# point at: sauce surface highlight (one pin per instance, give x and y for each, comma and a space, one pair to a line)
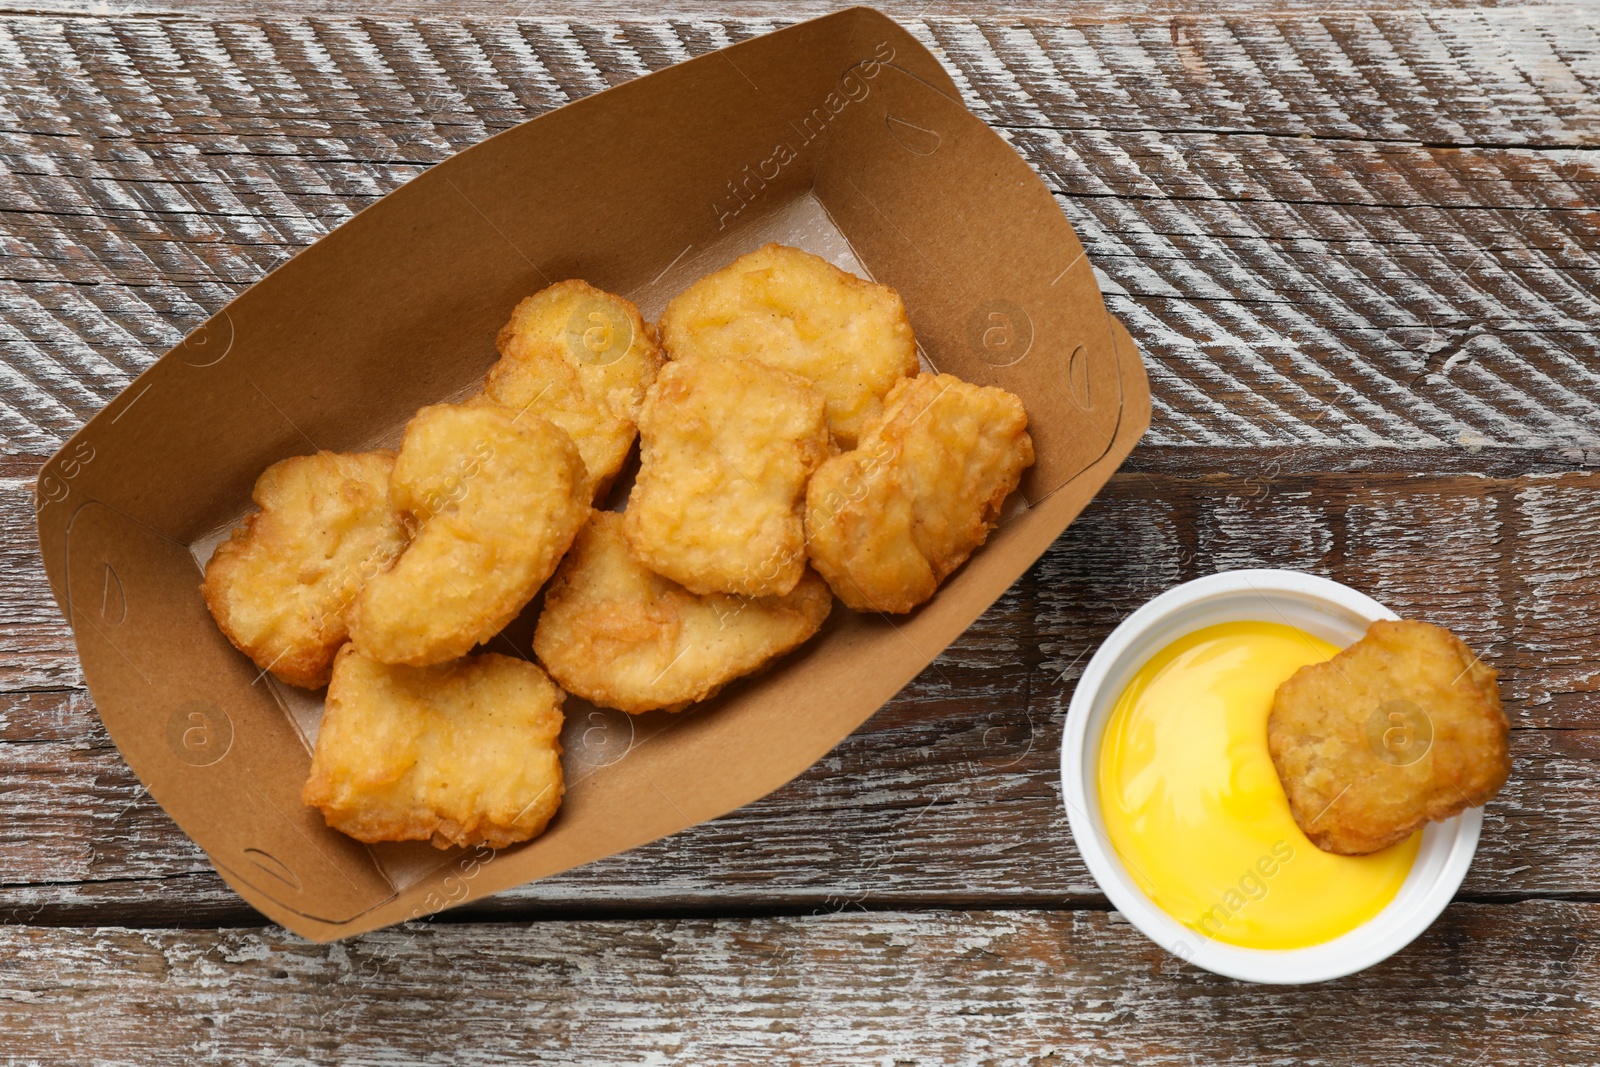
1195, 809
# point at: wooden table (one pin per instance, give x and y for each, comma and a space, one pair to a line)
1359, 250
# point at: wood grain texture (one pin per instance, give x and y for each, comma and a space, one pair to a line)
950, 793
1331, 228
36, 650
1504, 985
777, 10
1360, 250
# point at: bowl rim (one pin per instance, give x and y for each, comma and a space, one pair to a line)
1442, 859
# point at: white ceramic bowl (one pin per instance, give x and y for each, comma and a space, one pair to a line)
1331, 611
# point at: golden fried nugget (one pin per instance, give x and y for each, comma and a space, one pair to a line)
280, 586
497, 497
726, 448
463, 753
792, 310
889, 521
622, 637
1403, 727
582, 358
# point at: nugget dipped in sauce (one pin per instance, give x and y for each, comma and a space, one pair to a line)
1403, 728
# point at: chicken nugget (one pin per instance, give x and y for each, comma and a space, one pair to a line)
798, 312
623, 637
1403, 727
581, 358
496, 498
886, 523
726, 448
279, 587
463, 753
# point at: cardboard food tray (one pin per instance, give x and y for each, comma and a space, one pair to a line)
842, 135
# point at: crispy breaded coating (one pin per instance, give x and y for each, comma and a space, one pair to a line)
726, 446
623, 637
889, 521
1403, 727
581, 358
496, 497
280, 587
798, 312
463, 753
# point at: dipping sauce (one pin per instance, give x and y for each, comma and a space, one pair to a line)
1195, 809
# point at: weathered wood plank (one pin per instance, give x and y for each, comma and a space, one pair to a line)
779, 11
1252, 335
897, 817
1561, 532
36, 650
1508, 985
1293, 211
1439, 77
909, 810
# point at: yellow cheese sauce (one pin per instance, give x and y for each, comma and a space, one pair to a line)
1195, 809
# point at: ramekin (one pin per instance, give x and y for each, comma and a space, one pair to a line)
1331, 611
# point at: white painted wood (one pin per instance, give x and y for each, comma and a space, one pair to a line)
1508, 985
1264, 197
